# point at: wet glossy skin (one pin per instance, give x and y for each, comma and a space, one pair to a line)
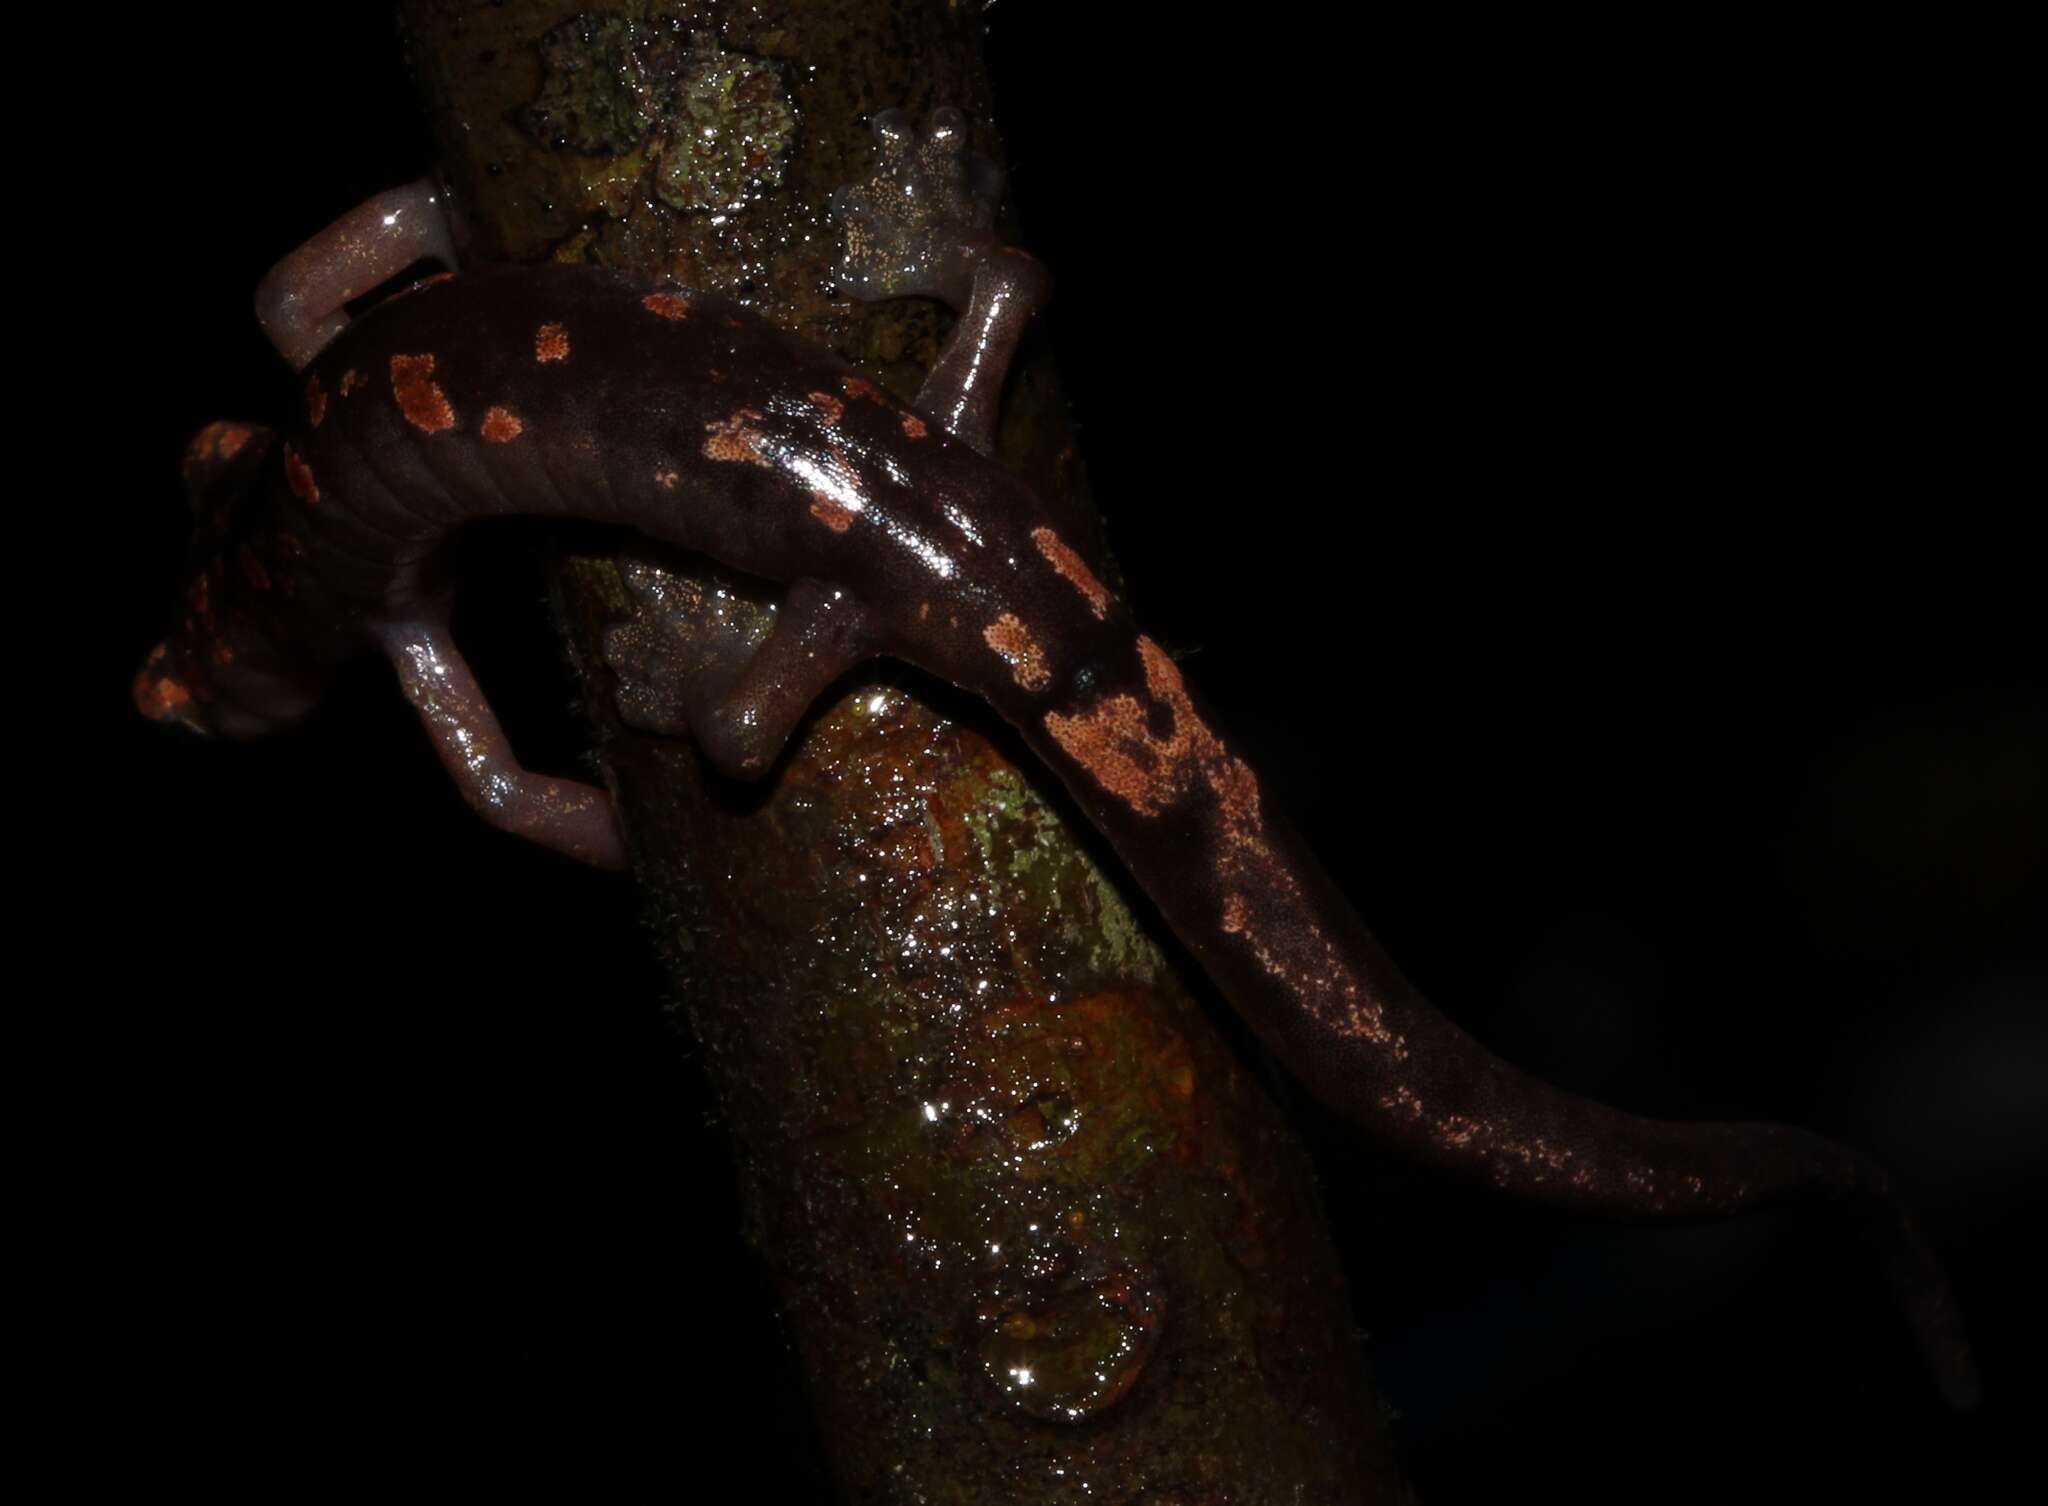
567, 392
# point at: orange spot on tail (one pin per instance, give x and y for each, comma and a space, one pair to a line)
316, 401
1073, 569
551, 343
667, 305
1013, 642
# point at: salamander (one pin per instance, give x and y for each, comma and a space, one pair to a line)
574, 392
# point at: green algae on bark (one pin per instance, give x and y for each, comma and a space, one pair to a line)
1036, 1235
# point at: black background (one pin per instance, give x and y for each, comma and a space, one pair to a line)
1597, 463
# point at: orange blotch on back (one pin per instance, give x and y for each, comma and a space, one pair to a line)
551, 343
736, 438
316, 401
1072, 569
1016, 646
299, 477
350, 380
501, 425
914, 427
828, 405
667, 305
832, 512
420, 398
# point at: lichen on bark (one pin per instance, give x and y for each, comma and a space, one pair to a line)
1036, 1233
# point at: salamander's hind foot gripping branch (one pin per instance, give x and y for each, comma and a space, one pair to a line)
919, 226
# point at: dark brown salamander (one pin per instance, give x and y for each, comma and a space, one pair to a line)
570, 392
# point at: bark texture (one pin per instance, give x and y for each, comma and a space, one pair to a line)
1037, 1235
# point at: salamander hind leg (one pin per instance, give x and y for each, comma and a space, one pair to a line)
692, 631
573, 818
689, 666
921, 225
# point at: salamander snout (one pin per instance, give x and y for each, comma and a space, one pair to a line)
162, 695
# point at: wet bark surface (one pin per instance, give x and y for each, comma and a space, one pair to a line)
1035, 1233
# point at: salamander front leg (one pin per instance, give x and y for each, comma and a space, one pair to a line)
302, 302
920, 226
572, 818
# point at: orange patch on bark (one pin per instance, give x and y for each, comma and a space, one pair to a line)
1013, 642
299, 477
501, 425
551, 343
1073, 569
420, 398
316, 401
667, 305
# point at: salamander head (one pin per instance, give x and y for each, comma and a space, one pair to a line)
163, 695
220, 694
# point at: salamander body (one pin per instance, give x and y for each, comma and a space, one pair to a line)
570, 392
